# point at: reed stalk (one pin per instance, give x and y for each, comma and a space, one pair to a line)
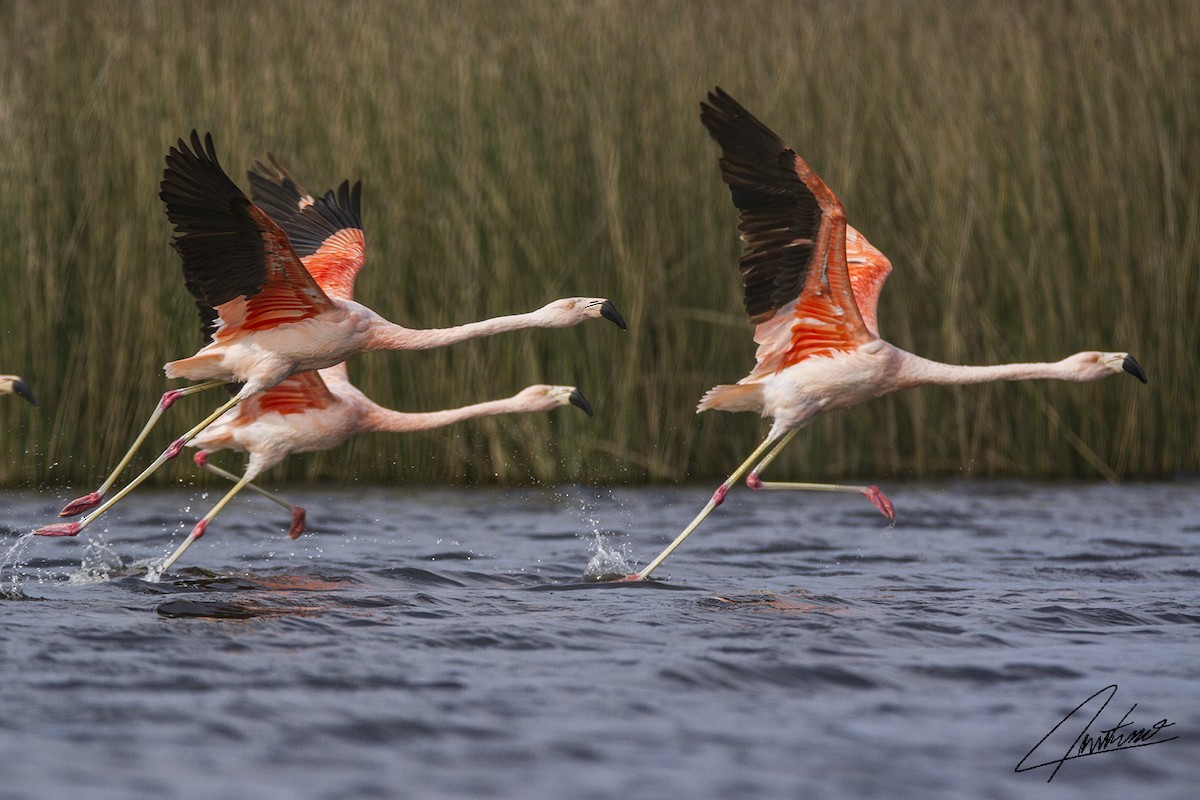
1030, 168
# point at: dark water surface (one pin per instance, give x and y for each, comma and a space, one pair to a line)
428, 644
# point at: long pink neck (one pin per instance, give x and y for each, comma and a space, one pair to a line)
390, 336
917, 371
384, 419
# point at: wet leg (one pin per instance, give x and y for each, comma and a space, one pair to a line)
716, 500
89, 501
73, 528
198, 530
298, 513
872, 493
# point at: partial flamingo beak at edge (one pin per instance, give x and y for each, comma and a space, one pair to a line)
1131, 366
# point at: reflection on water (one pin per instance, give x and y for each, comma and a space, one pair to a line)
443, 643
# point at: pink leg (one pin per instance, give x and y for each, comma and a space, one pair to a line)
168, 399
169, 453
198, 529
90, 501
297, 528
717, 498
174, 449
872, 493
196, 533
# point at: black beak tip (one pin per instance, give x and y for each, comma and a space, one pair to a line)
609, 312
577, 399
1131, 366
21, 388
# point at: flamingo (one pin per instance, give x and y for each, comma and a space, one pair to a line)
811, 289
263, 314
318, 410
12, 384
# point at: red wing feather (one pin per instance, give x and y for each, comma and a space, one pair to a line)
289, 294
336, 263
302, 392
328, 237
869, 268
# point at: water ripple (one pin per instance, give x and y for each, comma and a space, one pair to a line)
799, 649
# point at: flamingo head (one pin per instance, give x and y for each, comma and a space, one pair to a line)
541, 397
573, 310
1092, 366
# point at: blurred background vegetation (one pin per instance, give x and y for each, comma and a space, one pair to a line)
1031, 169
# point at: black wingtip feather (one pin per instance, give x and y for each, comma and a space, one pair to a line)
336, 210
219, 242
778, 212
274, 190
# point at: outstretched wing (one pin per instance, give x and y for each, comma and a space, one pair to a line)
236, 260
326, 232
797, 286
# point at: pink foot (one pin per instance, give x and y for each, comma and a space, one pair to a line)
882, 503
81, 504
297, 523
60, 529
173, 449
631, 577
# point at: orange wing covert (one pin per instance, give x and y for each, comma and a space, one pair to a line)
326, 232
297, 394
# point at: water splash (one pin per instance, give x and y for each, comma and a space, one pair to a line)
10, 563
154, 570
98, 564
607, 563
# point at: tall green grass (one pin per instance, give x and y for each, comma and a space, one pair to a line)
1030, 168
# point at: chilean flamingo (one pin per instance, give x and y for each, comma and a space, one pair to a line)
11, 384
812, 286
314, 410
263, 314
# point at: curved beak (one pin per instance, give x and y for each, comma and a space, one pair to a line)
21, 388
577, 399
1131, 366
609, 312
